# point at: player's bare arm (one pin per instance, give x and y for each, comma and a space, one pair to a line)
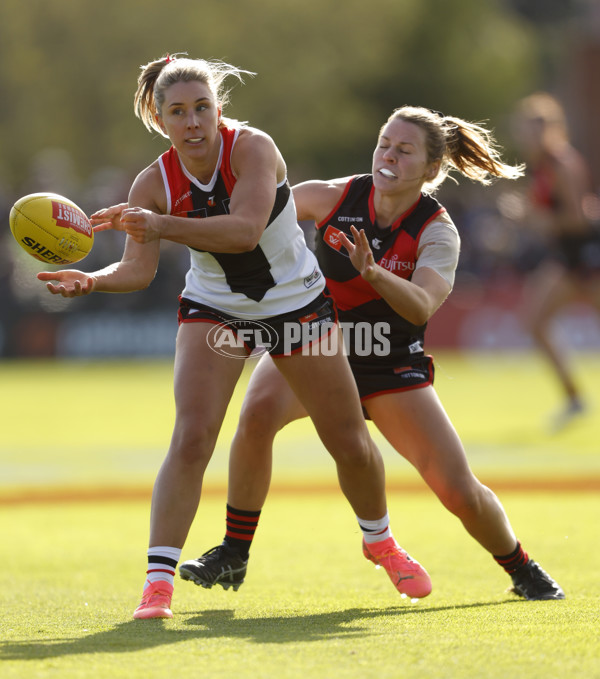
316, 199
415, 300
137, 267
257, 166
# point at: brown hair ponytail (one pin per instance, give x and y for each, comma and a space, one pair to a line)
471, 149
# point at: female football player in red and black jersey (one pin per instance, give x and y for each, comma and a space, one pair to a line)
389, 251
221, 189
563, 207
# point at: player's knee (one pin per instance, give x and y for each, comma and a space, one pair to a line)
193, 443
463, 500
253, 436
260, 418
352, 449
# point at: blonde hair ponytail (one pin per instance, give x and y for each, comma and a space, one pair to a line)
156, 76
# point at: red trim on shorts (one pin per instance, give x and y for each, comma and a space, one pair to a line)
197, 320
396, 390
208, 320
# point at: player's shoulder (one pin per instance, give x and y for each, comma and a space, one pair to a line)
254, 148
572, 162
148, 189
315, 199
561, 160
340, 182
329, 187
441, 229
443, 217
252, 136
150, 177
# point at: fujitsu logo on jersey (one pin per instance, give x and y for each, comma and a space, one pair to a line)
393, 264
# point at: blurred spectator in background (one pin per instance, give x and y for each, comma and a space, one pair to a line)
560, 205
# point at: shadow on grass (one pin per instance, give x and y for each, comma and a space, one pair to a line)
217, 624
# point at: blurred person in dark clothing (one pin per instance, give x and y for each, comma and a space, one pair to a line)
561, 206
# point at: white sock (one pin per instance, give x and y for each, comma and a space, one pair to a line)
375, 531
162, 563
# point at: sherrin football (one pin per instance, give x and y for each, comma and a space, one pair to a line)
51, 228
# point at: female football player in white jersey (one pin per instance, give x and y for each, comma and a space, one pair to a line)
221, 189
389, 251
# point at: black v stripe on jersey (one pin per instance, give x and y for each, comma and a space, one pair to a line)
246, 272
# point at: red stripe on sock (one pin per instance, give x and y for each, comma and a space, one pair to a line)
239, 536
250, 520
511, 562
381, 532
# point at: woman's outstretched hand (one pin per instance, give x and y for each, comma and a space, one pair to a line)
360, 252
70, 282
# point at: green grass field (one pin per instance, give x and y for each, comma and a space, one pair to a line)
79, 448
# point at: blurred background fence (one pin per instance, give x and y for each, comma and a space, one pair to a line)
328, 75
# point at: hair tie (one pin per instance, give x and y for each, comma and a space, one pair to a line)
169, 59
